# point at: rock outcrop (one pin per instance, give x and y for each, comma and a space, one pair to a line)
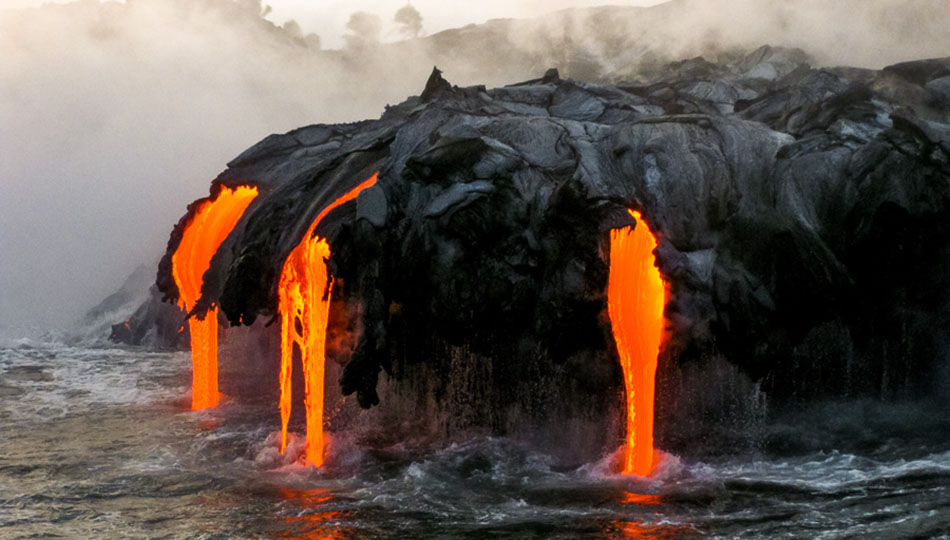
802, 216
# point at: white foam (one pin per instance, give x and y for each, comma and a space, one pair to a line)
58, 379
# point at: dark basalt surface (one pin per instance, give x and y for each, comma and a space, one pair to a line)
802, 216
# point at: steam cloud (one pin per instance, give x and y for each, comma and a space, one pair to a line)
114, 116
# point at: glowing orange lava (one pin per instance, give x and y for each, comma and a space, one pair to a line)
210, 224
304, 303
635, 299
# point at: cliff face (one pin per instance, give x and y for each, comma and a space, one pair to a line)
802, 216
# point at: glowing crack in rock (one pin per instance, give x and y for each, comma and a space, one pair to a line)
304, 293
636, 296
204, 232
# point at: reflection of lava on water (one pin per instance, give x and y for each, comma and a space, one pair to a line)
310, 523
641, 499
639, 528
643, 530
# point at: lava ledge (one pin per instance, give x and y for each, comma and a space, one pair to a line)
802, 216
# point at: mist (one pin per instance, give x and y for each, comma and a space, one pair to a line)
113, 117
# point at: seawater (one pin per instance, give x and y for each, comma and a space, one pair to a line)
98, 442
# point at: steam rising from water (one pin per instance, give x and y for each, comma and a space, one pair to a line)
114, 116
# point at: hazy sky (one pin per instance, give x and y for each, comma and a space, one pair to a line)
327, 18
114, 118
110, 126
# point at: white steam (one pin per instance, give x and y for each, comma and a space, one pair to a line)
113, 117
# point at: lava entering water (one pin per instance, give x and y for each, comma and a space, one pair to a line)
208, 227
304, 290
636, 296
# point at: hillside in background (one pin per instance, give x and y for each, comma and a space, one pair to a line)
114, 116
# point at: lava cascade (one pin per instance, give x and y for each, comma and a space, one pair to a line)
209, 225
636, 296
304, 293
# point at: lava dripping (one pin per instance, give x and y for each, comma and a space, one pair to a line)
636, 296
204, 232
304, 293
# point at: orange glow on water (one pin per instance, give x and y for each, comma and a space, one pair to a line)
640, 499
210, 224
635, 299
641, 530
638, 507
304, 293
310, 524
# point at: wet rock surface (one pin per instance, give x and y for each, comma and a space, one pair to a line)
802, 216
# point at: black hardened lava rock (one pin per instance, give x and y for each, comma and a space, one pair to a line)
802, 216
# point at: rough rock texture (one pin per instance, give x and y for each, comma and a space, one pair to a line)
802, 217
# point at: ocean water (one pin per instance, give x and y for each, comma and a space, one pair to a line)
99, 443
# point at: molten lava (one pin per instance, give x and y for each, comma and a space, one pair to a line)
304, 303
635, 299
210, 224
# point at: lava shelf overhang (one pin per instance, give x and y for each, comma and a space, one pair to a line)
636, 296
808, 211
304, 293
209, 225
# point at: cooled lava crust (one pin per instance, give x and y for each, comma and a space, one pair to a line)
802, 216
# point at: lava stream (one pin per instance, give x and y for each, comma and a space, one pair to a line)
636, 296
304, 302
208, 226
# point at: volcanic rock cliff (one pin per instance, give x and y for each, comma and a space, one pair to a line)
802, 216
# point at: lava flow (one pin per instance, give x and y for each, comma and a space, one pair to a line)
210, 224
636, 296
304, 304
